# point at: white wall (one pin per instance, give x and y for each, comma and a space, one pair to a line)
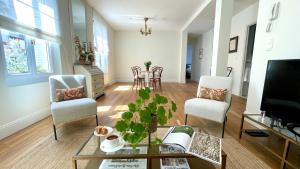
183, 39
202, 66
161, 48
207, 45
222, 27
239, 27
286, 40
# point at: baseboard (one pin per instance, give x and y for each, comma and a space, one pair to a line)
110, 83
23, 122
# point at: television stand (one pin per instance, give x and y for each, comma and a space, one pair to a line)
286, 147
292, 128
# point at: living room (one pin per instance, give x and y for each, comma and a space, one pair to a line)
110, 53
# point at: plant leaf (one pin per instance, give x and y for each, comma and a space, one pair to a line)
144, 93
145, 116
147, 89
121, 126
161, 118
138, 128
161, 99
174, 107
161, 111
132, 107
127, 115
152, 107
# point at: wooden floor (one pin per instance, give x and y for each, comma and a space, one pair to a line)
34, 147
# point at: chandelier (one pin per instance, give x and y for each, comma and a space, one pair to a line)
147, 30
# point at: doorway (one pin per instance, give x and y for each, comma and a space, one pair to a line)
248, 60
189, 58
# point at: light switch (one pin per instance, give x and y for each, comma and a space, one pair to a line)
269, 44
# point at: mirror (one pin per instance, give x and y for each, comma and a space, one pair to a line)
79, 21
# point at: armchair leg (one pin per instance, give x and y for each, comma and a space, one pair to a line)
186, 116
54, 130
223, 129
97, 120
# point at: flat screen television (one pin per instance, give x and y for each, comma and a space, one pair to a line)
281, 95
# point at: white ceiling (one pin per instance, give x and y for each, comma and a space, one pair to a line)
167, 14
239, 5
205, 20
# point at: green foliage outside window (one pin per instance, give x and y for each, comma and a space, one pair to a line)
15, 56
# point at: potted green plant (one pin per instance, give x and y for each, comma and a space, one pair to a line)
148, 64
143, 116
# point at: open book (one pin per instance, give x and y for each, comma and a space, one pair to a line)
198, 144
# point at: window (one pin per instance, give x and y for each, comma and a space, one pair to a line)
40, 14
101, 44
15, 54
29, 36
42, 60
26, 59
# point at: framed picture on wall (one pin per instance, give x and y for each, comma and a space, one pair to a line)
233, 44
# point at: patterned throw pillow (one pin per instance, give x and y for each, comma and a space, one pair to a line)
69, 94
212, 94
204, 92
218, 94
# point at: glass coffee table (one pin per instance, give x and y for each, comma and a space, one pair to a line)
90, 151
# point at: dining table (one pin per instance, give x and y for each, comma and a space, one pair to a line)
147, 74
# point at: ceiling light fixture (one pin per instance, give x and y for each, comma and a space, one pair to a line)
147, 30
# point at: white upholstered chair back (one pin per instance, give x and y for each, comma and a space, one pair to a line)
65, 82
217, 82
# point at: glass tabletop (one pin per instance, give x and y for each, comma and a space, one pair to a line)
275, 125
91, 148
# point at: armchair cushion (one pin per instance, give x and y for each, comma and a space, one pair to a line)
69, 94
207, 109
65, 82
216, 82
213, 94
70, 110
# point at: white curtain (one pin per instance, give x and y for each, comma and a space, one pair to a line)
38, 14
101, 44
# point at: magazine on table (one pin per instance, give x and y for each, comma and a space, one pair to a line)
126, 163
202, 145
173, 163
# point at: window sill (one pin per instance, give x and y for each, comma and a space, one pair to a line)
20, 80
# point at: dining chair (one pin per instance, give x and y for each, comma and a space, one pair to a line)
138, 77
156, 77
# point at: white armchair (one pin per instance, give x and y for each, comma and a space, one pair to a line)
210, 109
66, 111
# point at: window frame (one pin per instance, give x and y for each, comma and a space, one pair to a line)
32, 76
